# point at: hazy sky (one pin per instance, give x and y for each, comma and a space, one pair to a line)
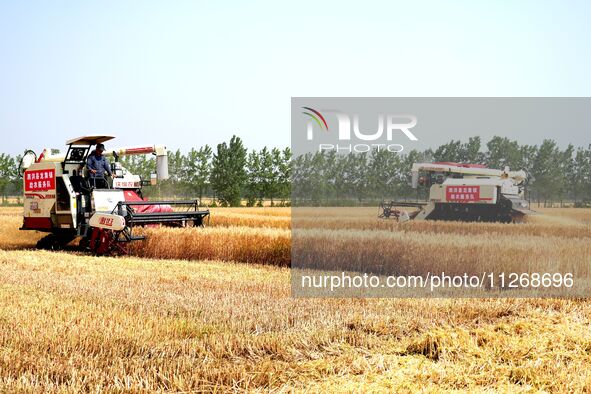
187, 73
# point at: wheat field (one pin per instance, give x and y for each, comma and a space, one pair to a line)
210, 310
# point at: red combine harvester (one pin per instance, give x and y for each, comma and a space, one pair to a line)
464, 192
60, 199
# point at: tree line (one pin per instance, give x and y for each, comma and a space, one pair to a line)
230, 173
328, 178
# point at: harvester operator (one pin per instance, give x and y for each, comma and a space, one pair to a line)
97, 166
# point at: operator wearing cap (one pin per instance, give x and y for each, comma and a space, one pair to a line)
97, 166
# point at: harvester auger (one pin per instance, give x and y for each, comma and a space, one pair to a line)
463, 192
60, 199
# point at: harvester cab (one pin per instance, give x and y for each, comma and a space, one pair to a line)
62, 200
466, 192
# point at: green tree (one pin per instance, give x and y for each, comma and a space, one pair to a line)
175, 166
284, 166
357, 178
253, 192
8, 175
196, 169
452, 151
142, 165
276, 162
383, 174
266, 175
228, 173
503, 152
581, 178
567, 168
547, 172
470, 151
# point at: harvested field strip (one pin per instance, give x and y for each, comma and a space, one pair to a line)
79, 323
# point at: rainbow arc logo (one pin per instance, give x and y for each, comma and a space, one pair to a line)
317, 117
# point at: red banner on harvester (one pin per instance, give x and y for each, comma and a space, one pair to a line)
39, 180
462, 193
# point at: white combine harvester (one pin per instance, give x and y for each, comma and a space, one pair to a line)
465, 192
61, 200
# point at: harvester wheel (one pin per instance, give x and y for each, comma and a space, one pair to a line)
385, 210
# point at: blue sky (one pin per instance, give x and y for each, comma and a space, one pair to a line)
187, 73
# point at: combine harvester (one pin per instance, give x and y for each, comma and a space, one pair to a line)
464, 192
61, 200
